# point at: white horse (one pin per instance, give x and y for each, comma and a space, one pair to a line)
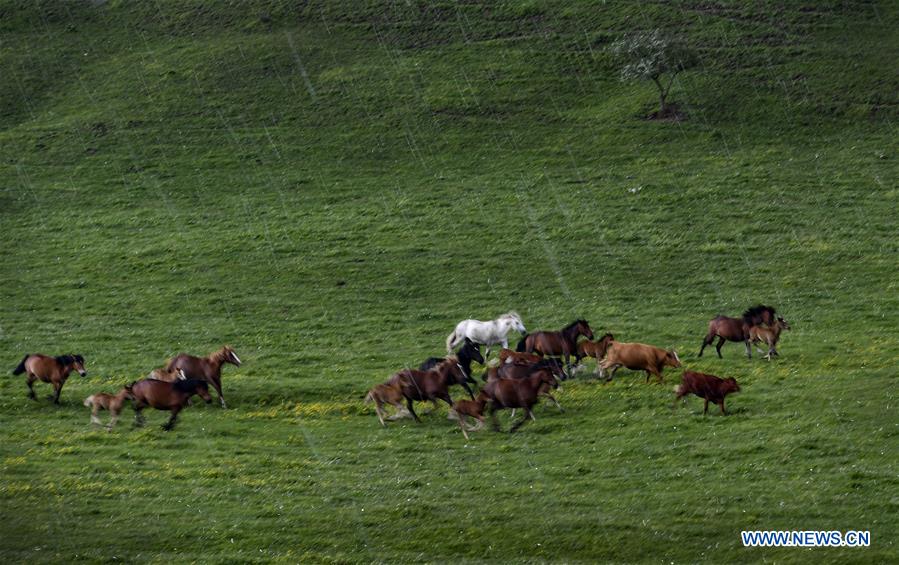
485, 333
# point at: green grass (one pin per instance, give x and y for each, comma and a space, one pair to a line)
331, 188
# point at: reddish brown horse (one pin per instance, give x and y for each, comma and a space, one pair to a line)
517, 393
737, 329
596, 349
53, 370
429, 385
207, 368
105, 401
163, 395
557, 344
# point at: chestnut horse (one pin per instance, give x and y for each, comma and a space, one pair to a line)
430, 385
562, 342
517, 393
53, 370
737, 329
515, 371
105, 401
163, 395
596, 349
207, 368
770, 335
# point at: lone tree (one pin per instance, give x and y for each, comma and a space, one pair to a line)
650, 55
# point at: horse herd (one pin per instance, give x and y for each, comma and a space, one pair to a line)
536, 366
520, 378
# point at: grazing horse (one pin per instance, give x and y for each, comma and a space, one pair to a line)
471, 408
387, 393
430, 385
486, 333
562, 342
106, 401
54, 370
770, 335
737, 329
469, 352
517, 393
596, 349
163, 395
207, 368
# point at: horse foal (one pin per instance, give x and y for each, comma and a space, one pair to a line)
473, 408
387, 393
105, 401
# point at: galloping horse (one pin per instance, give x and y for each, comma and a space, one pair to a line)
106, 401
737, 329
163, 395
54, 370
207, 368
486, 333
770, 335
518, 371
562, 342
469, 352
430, 385
596, 349
517, 393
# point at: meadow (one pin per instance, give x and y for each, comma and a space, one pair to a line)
330, 187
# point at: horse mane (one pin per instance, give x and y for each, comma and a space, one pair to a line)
573, 324
219, 355
757, 310
511, 314
189, 385
66, 359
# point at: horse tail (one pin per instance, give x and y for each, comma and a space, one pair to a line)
449, 342
89, 401
522, 344
21, 368
370, 397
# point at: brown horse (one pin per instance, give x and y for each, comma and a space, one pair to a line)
207, 368
163, 395
429, 385
387, 393
469, 408
737, 329
54, 370
596, 349
770, 335
518, 358
163, 374
106, 401
562, 342
517, 393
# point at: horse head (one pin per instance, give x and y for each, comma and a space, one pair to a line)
229, 356
472, 350
672, 359
76, 362
584, 328
514, 321
783, 323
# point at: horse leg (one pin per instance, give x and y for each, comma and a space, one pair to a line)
723, 411
493, 419
30, 383
707, 340
527, 414
171, 423
468, 390
412, 410
748, 349
114, 417
57, 387
217, 385
462, 425
138, 416
553, 398
718, 347
95, 415
380, 413
705, 409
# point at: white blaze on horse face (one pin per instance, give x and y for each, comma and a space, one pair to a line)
236, 358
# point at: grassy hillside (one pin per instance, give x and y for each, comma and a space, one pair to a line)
330, 187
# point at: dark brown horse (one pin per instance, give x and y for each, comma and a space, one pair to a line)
596, 349
429, 385
737, 329
53, 370
557, 344
517, 393
207, 368
163, 395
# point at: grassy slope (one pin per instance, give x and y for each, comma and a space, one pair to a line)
178, 176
